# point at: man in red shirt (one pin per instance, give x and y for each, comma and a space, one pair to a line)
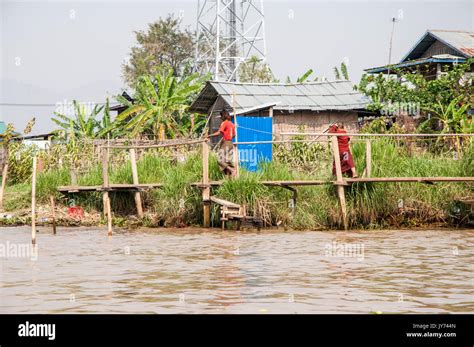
347, 162
225, 157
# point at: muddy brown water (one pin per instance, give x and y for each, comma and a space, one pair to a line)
195, 271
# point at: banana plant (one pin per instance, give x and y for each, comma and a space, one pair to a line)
303, 78
81, 124
453, 117
341, 73
160, 103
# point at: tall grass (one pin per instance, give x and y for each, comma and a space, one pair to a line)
370, 205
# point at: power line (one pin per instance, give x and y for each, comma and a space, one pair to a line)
10, 104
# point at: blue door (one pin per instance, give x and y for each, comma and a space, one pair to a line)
250, 129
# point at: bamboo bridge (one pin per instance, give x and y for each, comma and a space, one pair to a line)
232, 211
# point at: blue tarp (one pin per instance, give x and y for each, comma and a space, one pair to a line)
251, 129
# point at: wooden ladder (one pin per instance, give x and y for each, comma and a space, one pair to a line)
229, 210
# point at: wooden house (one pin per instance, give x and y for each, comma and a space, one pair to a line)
435, 53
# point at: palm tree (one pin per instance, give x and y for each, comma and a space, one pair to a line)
159, 106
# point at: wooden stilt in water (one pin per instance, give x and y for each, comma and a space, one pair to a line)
206, 191
109, 214
53, 213
33, 203
368, 158
104, 204
105, 184
138, 197
4, 183
223, 213
339, 182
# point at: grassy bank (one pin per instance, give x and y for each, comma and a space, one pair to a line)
374, 205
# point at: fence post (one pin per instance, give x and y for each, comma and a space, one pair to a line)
105, 187
4, 183
138, 197
53, 213
33, 203
368, 158
339, 181
206, 189
235, 159
73, 174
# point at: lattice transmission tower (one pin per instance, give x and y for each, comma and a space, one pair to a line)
229, 32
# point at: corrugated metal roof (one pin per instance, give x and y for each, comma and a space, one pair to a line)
441, 58
316, 96
460, 41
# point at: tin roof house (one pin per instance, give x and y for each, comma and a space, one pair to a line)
311, 105
265, 111
434, 54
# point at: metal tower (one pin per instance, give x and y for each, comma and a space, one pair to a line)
228, 33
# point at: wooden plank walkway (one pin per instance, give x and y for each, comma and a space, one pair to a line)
348, 181
110, 187
223, 202
230, 210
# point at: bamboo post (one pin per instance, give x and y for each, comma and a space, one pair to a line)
339, 181
73, 174
33, 203
109, 216
138, 197
368, 158
236, 146
4, 183
105, 186
53, 213
206, 191
223, 217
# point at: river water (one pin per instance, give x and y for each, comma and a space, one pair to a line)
196, 271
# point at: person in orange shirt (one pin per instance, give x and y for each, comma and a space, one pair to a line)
347, 162
225, 157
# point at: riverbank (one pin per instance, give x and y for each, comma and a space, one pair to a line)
179, 204
95, 219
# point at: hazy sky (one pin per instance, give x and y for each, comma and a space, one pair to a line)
56, 51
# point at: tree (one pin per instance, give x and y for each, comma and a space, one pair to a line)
415, 89
160, 105
255, 71
382, 91
162, 47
